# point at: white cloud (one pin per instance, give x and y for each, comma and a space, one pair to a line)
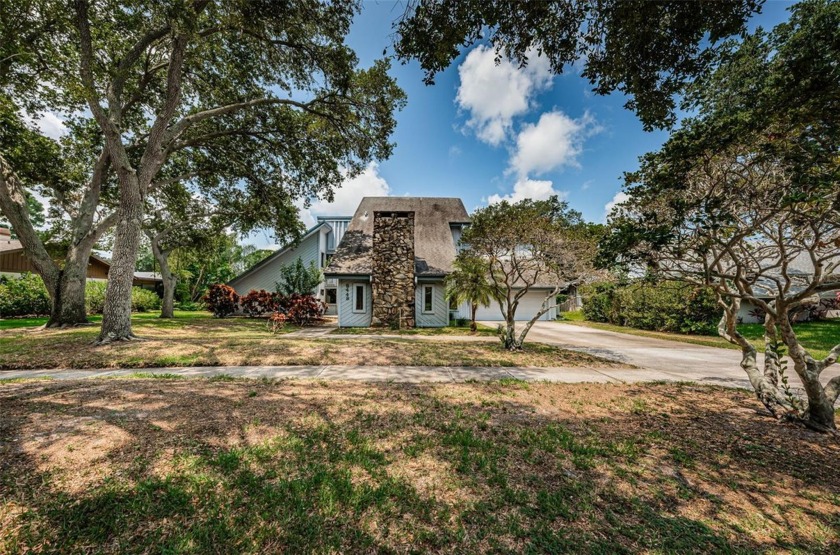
529, 188
495, 93
346, 198
555, 141
616, 200
49, 123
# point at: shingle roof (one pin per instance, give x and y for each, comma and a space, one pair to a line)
434, 247
7, 245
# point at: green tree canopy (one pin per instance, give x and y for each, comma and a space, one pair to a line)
648, 50
252, 105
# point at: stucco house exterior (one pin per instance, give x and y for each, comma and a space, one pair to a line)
391, 263
315, 247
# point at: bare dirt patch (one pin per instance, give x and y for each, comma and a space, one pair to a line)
149, 465
240, 341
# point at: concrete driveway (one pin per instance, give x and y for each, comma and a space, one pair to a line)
656, 358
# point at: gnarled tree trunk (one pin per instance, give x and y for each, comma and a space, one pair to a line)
765, 383
65, 286
161, 255
116, 312
820, 413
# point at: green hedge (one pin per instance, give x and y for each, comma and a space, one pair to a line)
27, 296
23, 296
142, 300
665, 306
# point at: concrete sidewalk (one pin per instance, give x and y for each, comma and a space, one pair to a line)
397, 374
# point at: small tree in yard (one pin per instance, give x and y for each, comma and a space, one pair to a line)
297, 279
469, 283
745, 192
530, 245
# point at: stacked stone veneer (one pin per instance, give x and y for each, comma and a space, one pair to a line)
392, 272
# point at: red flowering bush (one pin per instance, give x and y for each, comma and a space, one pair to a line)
221, 300
257, 303
303, 309
276, 322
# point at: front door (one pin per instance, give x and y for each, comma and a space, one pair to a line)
332, 299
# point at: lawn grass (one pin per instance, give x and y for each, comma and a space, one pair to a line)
818, 337
198, 466
196, 339
34, 322
481, 329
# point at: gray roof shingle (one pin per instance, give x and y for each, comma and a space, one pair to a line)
434, 247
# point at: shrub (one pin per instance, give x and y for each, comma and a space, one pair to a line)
23, 296
95, 296
189, 306
221, 300
257, 303
462, 322
303, 309
297, 279
143, 300
276, 322
600, 303
666, 306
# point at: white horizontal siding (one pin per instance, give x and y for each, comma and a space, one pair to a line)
440, 316
346, 317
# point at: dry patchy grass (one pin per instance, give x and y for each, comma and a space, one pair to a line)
241, 466
204, 341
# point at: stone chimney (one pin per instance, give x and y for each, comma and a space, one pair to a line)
392, 272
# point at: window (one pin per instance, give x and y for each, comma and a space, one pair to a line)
428, 291
331, 296
359, 297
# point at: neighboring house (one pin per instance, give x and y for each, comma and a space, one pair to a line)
391, 264
315, 247
13, 262
800, 270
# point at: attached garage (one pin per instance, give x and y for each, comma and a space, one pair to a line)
529, 305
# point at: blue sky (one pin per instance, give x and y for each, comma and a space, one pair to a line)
484, 132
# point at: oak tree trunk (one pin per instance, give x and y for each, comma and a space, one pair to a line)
116, 312
68, 296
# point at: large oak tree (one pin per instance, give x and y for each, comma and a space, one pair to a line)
249, 101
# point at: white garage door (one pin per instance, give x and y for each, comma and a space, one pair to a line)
529, 305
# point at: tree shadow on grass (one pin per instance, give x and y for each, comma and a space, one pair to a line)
247, 466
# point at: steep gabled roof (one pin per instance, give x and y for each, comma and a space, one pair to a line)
434, 247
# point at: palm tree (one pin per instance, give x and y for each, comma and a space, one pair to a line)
468, 283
